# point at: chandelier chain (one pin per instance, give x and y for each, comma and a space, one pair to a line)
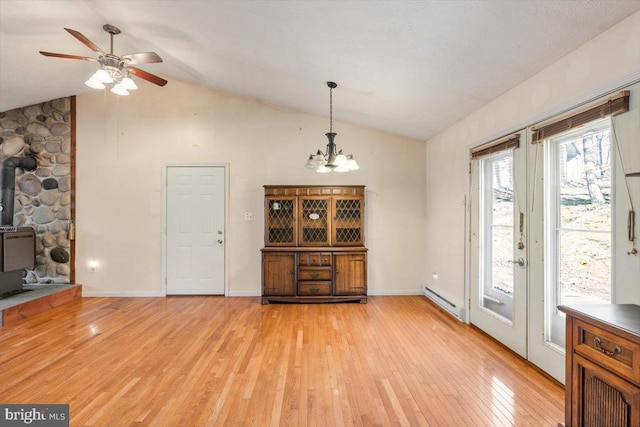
330, 109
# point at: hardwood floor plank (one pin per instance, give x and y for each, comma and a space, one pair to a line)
212, 361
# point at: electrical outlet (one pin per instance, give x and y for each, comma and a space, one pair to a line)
248, 216
93, 266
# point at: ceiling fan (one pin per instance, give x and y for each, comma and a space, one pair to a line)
113, 68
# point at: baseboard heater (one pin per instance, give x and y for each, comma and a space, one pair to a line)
445, 304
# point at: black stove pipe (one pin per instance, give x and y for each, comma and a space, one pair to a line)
8, 184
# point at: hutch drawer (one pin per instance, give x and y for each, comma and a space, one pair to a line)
314, 288
608, 349
314, 258
314, 273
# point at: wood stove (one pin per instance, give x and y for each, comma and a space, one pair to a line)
17, 244
17, 252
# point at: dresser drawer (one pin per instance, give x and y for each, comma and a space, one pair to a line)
314, 259
314, 288
314, 273
608, 349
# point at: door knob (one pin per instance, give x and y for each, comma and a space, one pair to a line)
518, 261
220, 241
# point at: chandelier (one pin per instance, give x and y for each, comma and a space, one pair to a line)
331, 160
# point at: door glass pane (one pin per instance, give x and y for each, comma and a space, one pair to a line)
280, 221
585, 219
497, 242
347, 221
315, 221
580, 214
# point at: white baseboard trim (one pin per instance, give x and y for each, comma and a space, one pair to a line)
152, 294
391, 292
244, 294
122, 294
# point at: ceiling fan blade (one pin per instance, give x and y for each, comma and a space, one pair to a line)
146, 76
91, 45
64, 55
141, 58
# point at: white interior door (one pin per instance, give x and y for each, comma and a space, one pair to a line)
195, 226
499, 248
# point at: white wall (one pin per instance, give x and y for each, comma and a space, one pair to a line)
124, 143
608, 61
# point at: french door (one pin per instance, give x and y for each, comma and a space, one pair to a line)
498, 243
571, 257
541, 236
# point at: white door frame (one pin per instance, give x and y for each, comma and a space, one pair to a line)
165, 171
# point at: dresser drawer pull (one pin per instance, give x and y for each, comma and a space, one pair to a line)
314, 275
314, 290
616, 349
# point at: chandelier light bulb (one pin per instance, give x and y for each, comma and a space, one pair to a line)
341, 159
352, 164
311, 164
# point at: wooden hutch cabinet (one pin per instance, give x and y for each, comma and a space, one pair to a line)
314, 244
603, 365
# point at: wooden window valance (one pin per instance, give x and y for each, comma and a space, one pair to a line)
508, 143
615, 105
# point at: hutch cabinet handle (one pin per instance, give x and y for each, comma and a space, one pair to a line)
314, 290
616, 349
314, 275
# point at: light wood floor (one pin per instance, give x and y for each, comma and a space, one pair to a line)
196, 361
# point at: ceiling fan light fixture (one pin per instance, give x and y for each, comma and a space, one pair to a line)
119, 89
332, 159
128, 83
113, 68
103, 76
94, 83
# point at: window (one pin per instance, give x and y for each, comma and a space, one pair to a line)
579, 216
497, 230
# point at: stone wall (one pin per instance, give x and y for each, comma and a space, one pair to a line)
43, 197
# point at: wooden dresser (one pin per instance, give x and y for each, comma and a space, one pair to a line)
314, 244
602, 365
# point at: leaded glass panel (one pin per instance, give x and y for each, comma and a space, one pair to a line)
281, 221
348, 221
315, 221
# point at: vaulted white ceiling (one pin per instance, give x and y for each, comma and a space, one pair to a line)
408, 67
